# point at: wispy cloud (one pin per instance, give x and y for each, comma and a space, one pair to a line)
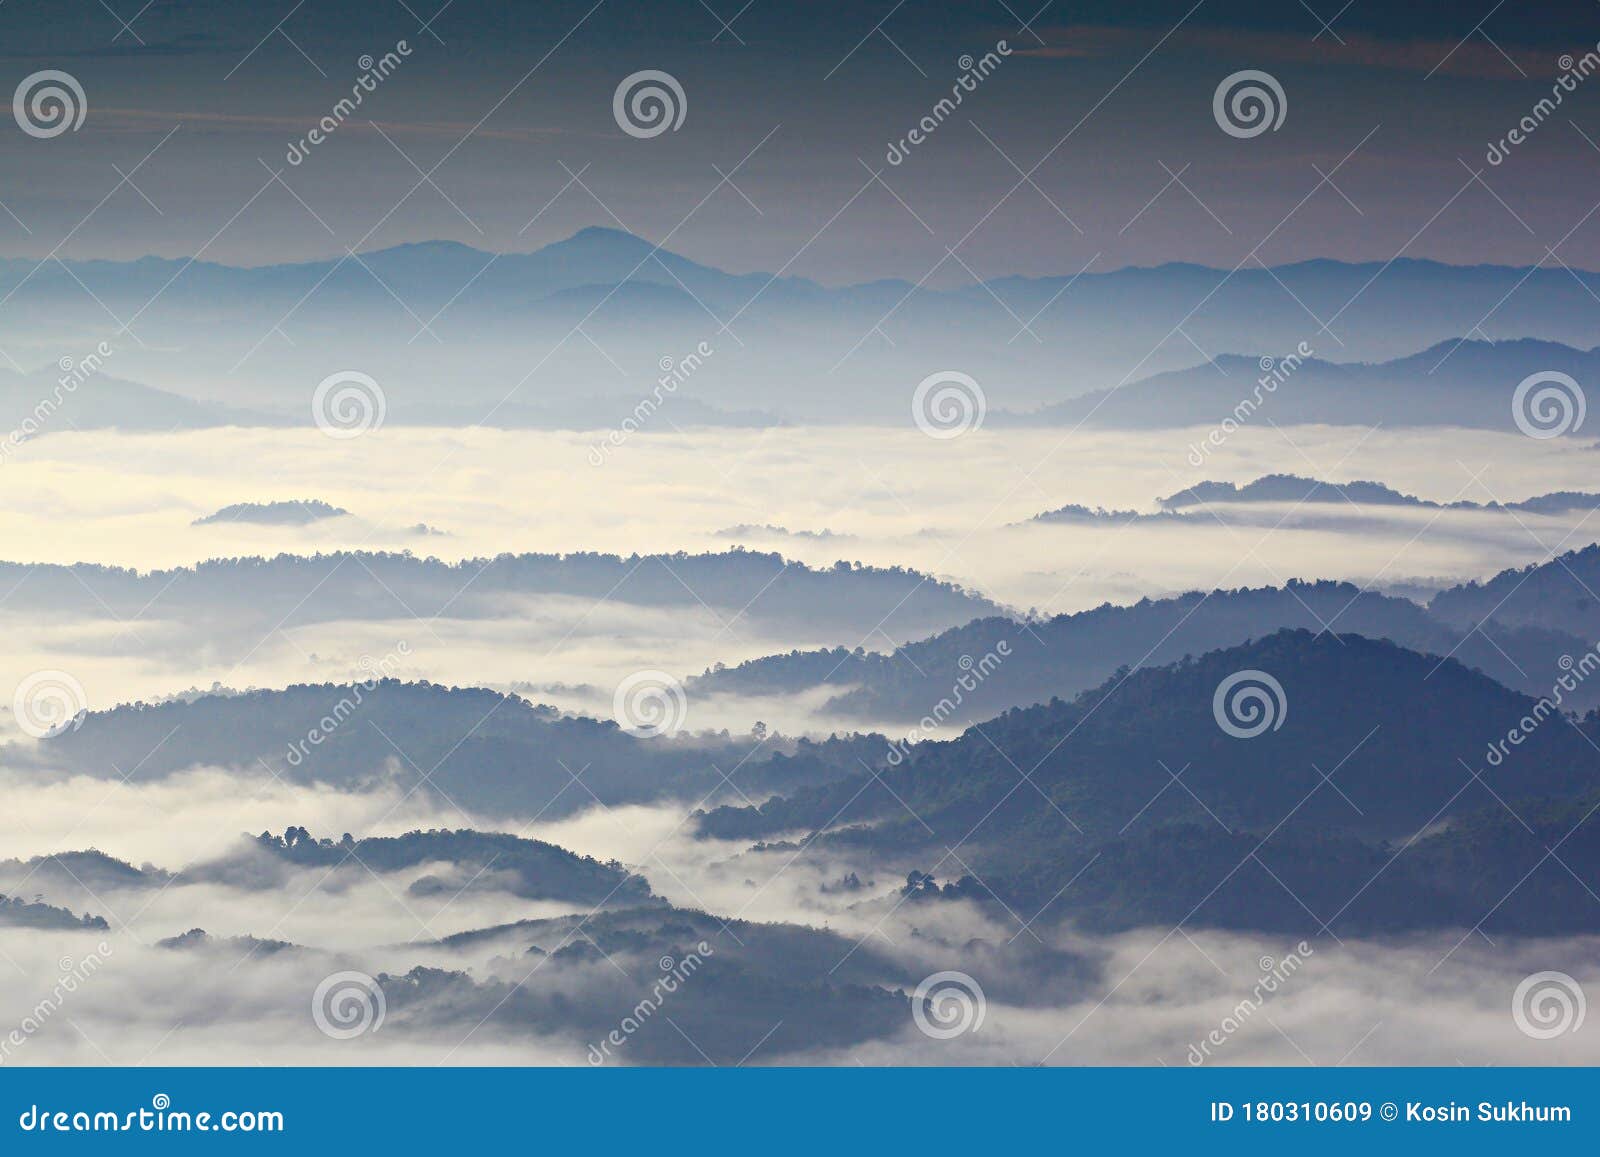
1474, 58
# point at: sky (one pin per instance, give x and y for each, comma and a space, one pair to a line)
1091, 141
936, 143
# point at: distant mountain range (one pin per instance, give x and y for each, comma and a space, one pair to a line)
35, 405
457, 335
1467, 384
1033, 661
844, 600
1454, 383
1294, 490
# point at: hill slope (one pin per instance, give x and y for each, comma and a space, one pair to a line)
1137, 786
1023, 663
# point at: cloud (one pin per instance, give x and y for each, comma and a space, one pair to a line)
1475, 58
134, 119
1051, 994
130, 500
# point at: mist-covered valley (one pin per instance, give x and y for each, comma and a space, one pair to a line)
803, 500
498, 780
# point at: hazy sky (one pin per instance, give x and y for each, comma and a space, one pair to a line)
509, 108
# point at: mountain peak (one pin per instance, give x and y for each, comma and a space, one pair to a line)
602, 238
605, 233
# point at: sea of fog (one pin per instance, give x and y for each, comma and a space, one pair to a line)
958, 509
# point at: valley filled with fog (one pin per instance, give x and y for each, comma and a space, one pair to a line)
965, 512
131, 827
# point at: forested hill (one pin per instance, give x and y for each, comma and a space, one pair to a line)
1062, 656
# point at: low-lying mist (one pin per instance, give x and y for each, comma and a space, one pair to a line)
958, 510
